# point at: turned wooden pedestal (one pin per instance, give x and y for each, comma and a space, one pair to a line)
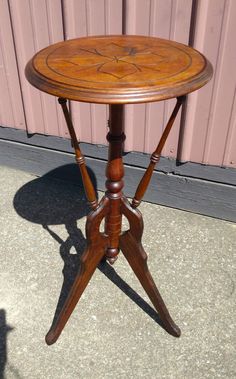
116, 70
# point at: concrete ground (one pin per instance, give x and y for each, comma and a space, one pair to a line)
113, 331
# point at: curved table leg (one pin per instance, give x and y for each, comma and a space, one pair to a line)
131, 246
89, 261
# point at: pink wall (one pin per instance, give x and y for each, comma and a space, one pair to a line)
11, 105
209, 132
210, 127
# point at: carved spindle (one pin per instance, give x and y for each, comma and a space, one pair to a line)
114, 183
155, 157
88, 185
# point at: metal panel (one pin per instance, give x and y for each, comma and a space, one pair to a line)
11, 106
165, 19
209, 135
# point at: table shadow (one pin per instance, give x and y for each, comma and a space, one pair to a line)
4, 330
51, 201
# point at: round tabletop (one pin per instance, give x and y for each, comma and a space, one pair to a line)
118, 69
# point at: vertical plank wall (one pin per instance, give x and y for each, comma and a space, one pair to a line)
36, 24
210, 126
11, 104
208, 133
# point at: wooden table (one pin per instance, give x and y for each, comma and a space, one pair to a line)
116, 70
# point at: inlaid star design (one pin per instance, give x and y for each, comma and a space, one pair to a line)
116, 61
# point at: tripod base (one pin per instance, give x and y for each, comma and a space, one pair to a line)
97, 245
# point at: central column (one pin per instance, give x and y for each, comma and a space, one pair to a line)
114, 183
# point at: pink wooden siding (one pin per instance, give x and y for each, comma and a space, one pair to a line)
36, 24
208, 134
11, 105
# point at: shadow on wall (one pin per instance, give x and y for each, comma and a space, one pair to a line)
48, 202
4, 330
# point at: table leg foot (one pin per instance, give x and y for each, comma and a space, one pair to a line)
51, 337
137, 258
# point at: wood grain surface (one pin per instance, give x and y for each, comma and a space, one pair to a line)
118, 69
